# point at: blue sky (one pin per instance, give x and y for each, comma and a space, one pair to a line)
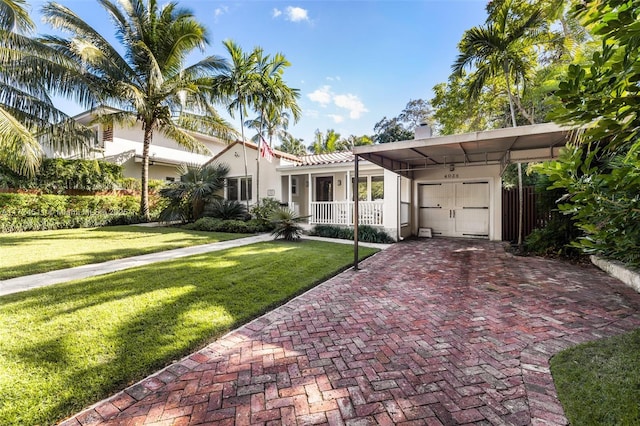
354, 62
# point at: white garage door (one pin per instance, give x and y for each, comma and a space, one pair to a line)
455, 209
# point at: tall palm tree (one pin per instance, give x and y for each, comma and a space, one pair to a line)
149, 81
238, 86
29, 72
326, 144
500, 48
292, 145
273, 99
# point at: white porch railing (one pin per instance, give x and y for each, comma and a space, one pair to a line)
341, 213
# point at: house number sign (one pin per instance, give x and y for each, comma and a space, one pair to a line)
452, 176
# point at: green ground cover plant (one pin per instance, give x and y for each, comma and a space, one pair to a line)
598, 382
67, 346
29, 253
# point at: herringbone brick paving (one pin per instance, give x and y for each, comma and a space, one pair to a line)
432, 332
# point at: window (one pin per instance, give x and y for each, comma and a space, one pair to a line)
237, 190
170, 179
370, 188
294, 185
377, 188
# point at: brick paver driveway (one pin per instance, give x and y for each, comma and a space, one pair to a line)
429, 332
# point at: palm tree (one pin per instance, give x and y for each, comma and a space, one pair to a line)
29, 72
292, 145
148, 81
500, 49
197, 185
238, 86
331, 142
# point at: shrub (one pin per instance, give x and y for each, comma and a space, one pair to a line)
32, 212
211, 224
264, 209
286, 224
225, 209
366, 233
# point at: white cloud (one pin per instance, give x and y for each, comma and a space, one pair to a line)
220, 11
276, 12
336, 118
312, 113
297, 14
351, 103
336, 78
322, 95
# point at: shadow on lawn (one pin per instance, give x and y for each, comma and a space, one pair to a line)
150, 316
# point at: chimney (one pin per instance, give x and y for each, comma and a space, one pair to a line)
423, 131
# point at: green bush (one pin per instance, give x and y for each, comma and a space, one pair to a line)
366, 233
225, 209
211, 224
32, 212
287, 224
57, 175
264, 209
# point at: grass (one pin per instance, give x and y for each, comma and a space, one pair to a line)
29, 253
67, 346
598, 383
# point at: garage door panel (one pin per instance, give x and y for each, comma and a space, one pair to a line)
472, 194
472, 222
436, 219
435, 195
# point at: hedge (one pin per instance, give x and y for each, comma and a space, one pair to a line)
366, 233
31, 212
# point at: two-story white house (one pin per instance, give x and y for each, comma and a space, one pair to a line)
123, 145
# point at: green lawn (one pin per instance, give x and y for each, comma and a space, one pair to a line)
67, 346
598, 383
28, 253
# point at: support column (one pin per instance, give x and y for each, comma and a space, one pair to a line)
290, 193
348, 183
310, 196
356, 218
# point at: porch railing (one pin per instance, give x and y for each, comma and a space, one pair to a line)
341, 213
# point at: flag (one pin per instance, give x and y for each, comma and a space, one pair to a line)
265, 150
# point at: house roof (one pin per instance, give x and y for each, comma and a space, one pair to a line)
321, 159
251, 145
500, 146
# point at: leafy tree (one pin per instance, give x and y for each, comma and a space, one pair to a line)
353, 140
328, 143
145, 76
188, 196
29, 72
416, 112
292, 145
601, 169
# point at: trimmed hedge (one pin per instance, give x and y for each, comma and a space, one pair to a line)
210, 224
366, 233
31, 212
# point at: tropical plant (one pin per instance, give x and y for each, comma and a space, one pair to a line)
287, 224
328, 143
402, 127
600, 170
29, 72
197, 185
146, 76
264, 209
292, 145
225, 209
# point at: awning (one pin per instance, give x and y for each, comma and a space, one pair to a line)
536, 142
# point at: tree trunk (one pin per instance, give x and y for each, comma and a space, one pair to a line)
520, 194
244, 155
144, 196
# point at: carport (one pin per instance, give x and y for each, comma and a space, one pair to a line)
455, 180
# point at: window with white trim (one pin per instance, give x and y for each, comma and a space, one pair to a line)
237, 189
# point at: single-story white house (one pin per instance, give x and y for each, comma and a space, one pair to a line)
448, 185
123, 146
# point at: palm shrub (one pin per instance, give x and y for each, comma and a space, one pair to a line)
225, 209
197, 185
264, 209
286, 224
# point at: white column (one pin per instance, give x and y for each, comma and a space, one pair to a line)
310, 194
290, 195
348, 191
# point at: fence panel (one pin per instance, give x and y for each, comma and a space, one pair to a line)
533, 218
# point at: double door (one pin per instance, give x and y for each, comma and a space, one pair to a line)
455, 209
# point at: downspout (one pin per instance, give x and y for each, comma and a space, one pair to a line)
356, 215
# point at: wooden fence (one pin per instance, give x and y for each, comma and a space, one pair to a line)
533, 217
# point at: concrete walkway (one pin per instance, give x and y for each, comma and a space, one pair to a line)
15, 285
432, 332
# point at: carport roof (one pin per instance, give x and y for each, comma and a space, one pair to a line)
500, 146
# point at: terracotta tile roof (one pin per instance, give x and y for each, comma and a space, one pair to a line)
331, 158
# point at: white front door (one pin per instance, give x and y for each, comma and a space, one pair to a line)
455, 209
